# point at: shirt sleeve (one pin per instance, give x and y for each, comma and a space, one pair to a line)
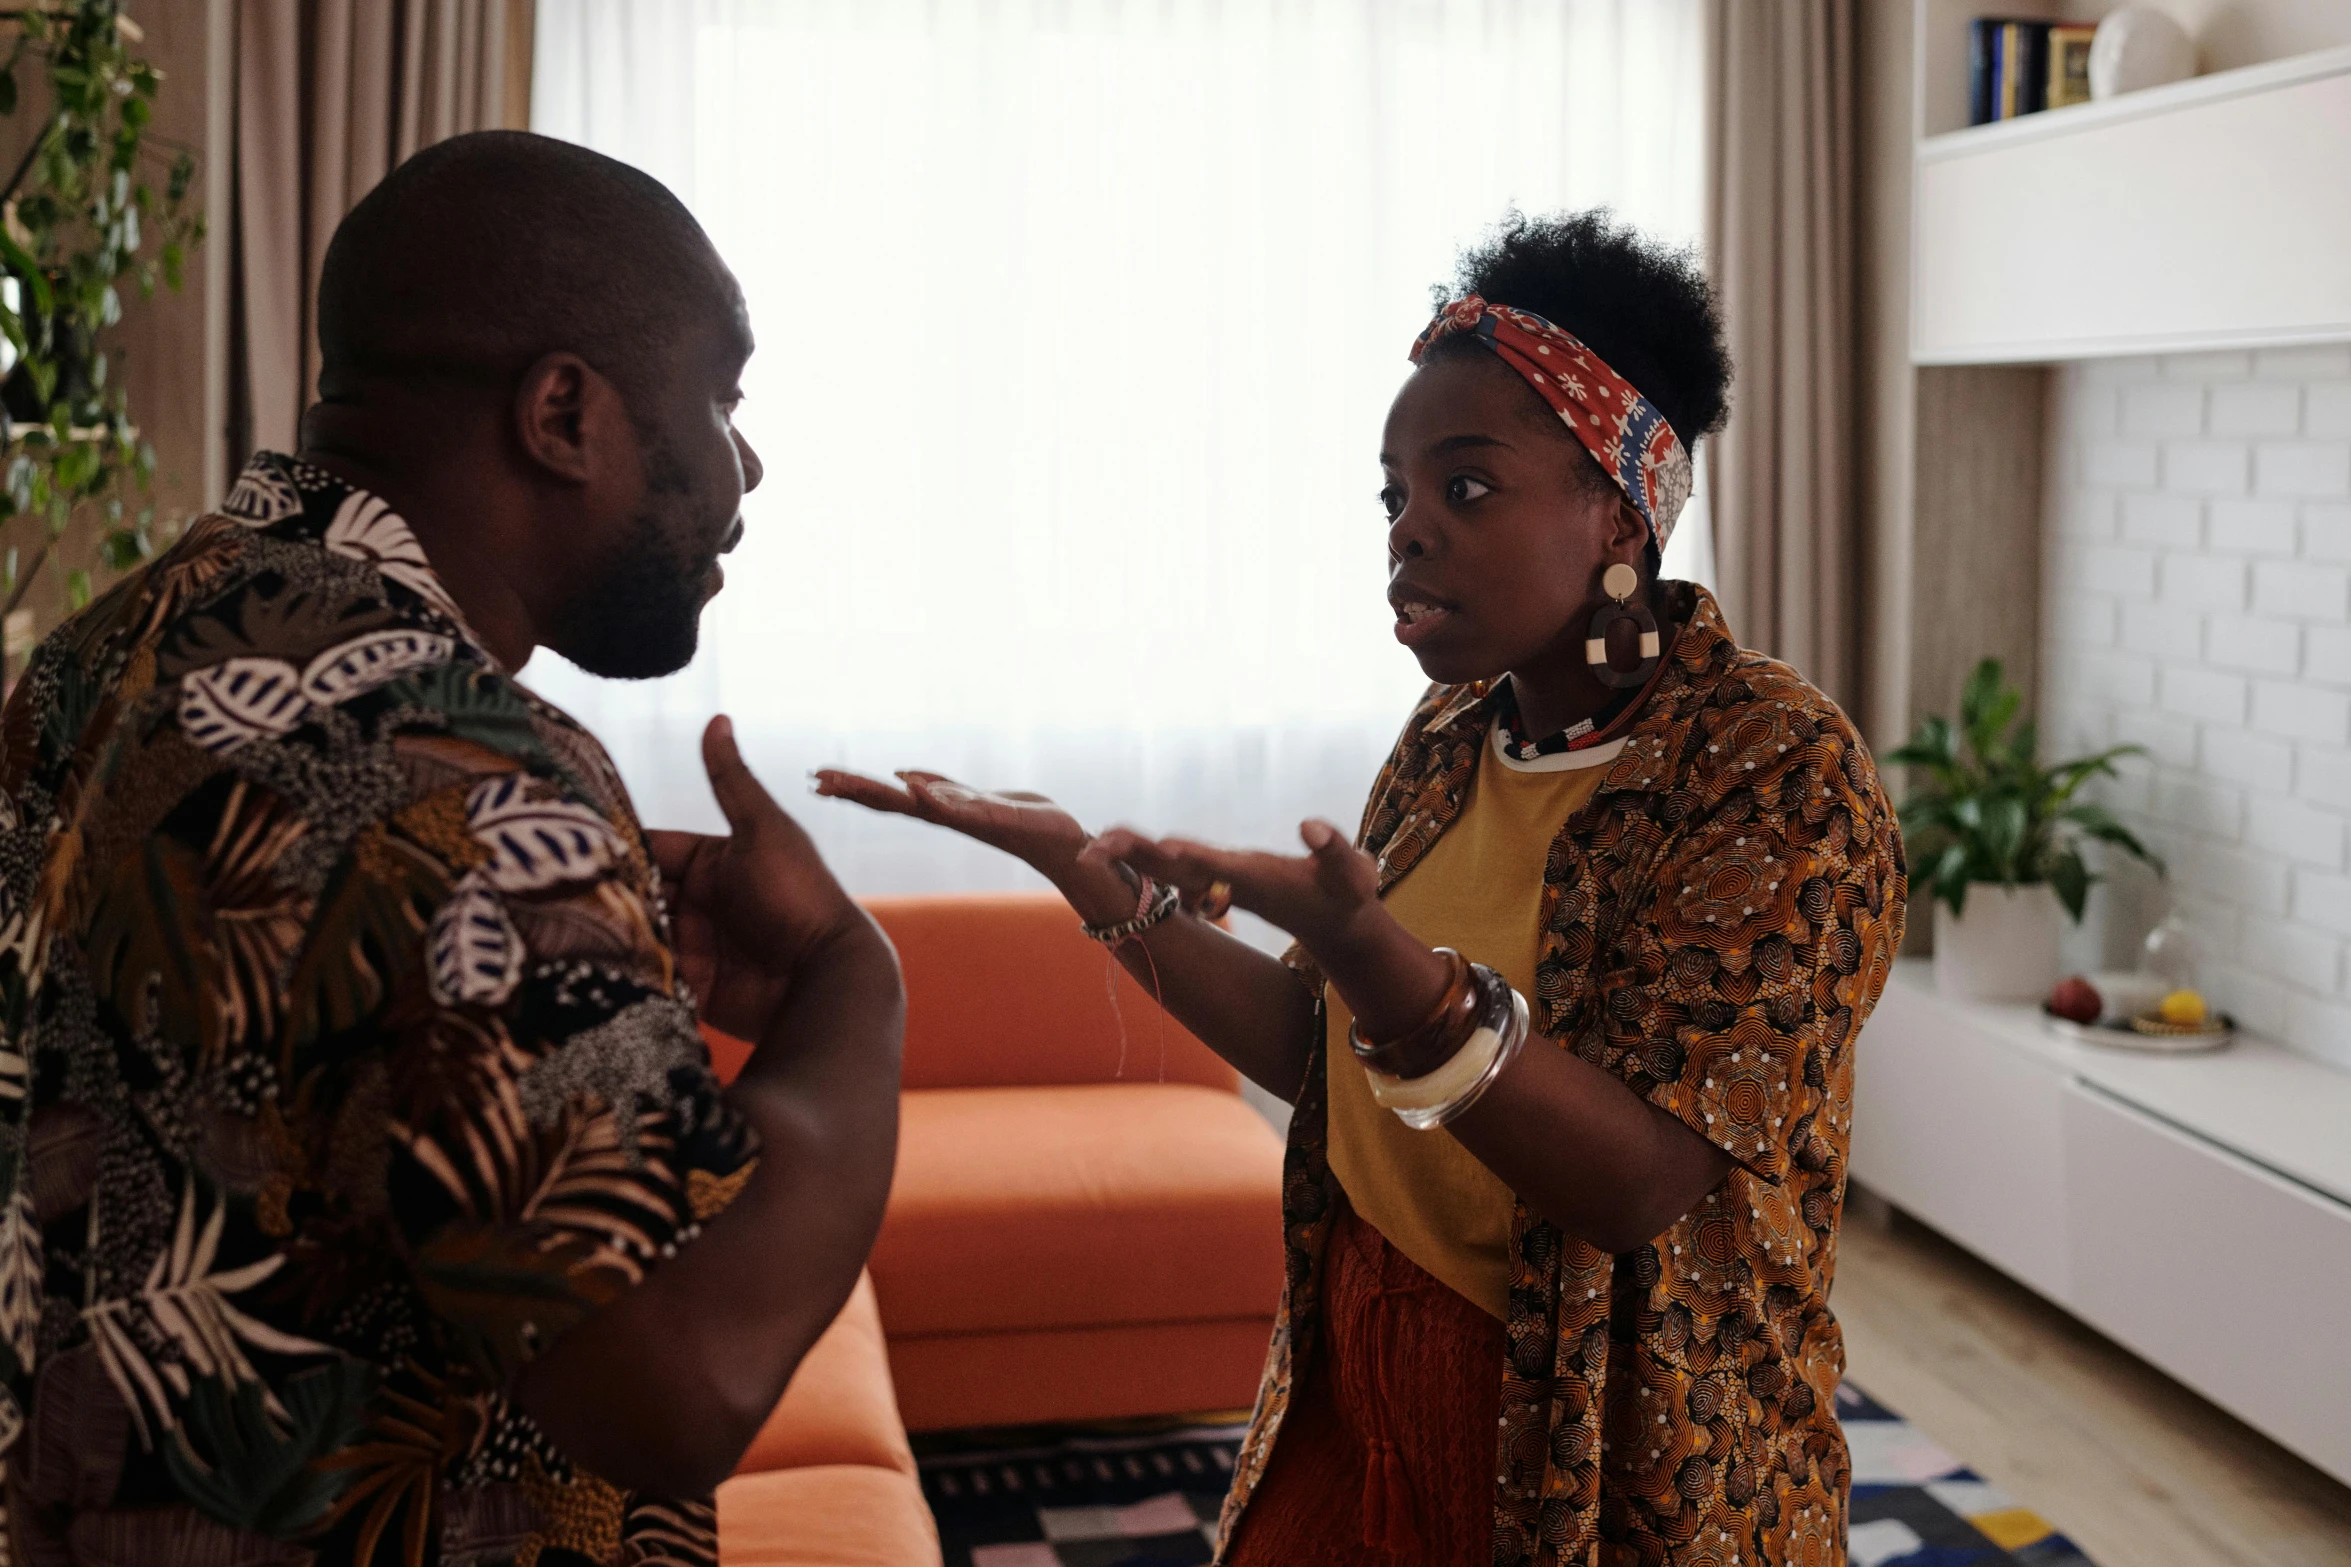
1301, 964
1769, 936
489, 965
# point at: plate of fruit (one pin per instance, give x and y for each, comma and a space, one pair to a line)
2134, 1012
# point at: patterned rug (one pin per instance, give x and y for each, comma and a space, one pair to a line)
1914, 1505
1149, 1498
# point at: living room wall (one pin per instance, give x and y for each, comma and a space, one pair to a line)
2196, 593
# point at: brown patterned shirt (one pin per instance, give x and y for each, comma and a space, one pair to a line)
1718, 923
343, 1068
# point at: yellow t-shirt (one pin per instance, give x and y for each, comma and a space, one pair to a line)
1478, 890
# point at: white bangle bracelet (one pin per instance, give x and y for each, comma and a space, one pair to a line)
1424, 1103
1446, 1084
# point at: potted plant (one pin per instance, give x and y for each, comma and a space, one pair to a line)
79, 221
1997, 839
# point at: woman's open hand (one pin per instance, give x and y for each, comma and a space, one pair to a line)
1026, 826
1317, 896
1328, 897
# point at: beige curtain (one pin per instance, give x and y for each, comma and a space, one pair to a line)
1780, 240
331, 94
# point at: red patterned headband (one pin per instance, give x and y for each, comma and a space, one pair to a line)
1622, 430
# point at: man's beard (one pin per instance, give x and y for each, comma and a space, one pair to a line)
643, 617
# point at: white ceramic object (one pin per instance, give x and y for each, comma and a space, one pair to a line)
2004, 948
2126, 993
2137, 47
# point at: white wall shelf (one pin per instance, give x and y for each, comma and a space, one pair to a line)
2213, 213
2159, 1198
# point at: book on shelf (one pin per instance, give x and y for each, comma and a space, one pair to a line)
1980, 34
2069, 63
2018, 66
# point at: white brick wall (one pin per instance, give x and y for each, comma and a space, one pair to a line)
2197, 595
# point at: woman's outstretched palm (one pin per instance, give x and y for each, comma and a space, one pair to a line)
1026, 826
1312, 896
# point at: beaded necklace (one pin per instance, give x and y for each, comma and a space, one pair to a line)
1580, 735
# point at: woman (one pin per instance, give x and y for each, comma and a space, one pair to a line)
1564, 1303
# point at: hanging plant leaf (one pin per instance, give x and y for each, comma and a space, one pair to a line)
90, 202
27, 272
123, 548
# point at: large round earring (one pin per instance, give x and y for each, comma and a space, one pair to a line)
1620, 582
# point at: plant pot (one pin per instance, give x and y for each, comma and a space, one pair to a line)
2004, 948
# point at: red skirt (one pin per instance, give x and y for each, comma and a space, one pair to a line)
1389, 1449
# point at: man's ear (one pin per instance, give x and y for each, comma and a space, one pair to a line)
568, 417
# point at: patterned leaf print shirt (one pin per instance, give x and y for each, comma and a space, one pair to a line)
1717, 924
343, 1067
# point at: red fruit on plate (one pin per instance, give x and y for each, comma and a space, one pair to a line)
2076, 1000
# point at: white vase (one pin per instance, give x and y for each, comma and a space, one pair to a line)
2004, 948
2138, 47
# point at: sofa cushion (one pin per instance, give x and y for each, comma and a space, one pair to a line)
834, 1515
1002, 990
953, 1380
841, 1407
1025, 1208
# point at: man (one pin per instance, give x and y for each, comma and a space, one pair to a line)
365, 1194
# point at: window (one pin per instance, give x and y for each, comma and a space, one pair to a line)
1078, 325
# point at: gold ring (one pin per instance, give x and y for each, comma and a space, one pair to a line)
1216, 902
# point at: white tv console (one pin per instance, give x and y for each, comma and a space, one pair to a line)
2197, 1209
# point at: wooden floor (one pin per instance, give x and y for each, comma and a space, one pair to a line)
2136, 1469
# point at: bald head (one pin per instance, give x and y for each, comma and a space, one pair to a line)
484, 252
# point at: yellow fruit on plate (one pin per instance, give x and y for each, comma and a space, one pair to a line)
2185, 1008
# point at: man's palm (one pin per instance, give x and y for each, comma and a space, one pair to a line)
749, 907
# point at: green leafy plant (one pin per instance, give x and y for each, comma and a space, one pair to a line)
79, 219
1986, 811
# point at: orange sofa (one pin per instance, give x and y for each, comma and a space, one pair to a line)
1084, 1225
1086, 1218
830, 1482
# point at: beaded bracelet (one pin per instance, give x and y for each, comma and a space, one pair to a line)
1427, 1102
1154, 904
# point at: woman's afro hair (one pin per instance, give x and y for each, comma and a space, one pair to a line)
1644, 307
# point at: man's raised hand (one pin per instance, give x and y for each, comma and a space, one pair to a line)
748, 909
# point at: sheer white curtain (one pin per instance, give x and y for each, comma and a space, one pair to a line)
1077, 325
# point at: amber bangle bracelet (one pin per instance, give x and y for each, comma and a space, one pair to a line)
1435, 1100
1436, 1040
